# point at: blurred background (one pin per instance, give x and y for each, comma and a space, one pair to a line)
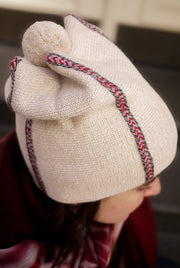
148, 31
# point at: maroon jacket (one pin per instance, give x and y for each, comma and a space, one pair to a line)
20, 198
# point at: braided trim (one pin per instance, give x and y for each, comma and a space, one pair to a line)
121, 103
32, 156
13, 67
89, 25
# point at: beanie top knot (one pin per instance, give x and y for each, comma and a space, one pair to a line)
43, 37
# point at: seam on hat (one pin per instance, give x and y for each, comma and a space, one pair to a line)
31, 154
13, 67
89, 25
121, 104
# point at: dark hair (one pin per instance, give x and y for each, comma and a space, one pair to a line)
61, 224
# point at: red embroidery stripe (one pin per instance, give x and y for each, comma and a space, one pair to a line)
32, 156
90, 26
13, 66
121, 105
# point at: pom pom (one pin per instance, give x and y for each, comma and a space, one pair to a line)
42, 38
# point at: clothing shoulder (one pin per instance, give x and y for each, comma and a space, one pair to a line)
8, 148
12, 197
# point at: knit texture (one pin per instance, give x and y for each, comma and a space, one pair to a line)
88, 124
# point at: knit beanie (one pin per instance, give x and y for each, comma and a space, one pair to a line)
88, 124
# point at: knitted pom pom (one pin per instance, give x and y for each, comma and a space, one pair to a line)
42, 38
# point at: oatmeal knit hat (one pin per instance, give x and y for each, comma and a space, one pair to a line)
89, 125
